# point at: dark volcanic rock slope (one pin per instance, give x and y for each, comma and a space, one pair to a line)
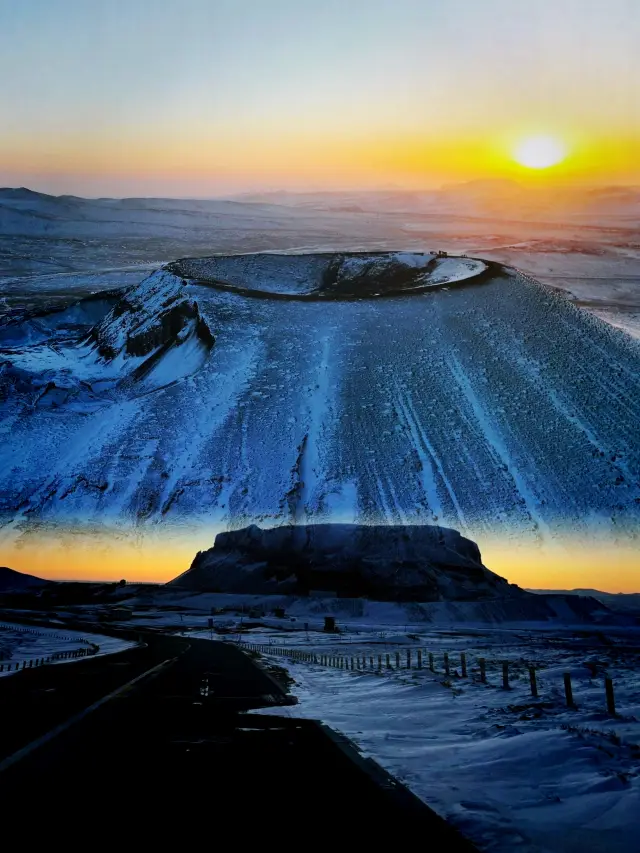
495, 408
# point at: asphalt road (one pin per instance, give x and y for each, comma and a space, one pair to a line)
161, 762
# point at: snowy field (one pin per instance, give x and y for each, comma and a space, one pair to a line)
20, 643
56, 249
511, 771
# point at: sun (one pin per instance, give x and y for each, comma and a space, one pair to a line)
539, 152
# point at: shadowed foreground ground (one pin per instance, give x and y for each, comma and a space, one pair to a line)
160, 761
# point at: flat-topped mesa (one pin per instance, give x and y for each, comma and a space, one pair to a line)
154, 315
389, 563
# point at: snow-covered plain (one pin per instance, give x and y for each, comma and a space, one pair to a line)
56, 248
511, 771
18, 644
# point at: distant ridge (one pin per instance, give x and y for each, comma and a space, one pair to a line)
17, 193
11, 580
622, 602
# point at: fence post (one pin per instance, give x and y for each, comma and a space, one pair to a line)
611, 702
446, 663
463, 664
388, 662
371, 661
505, 674
533, 682
397, 660
483, 670
379, 663
568, 692
408, 658
431, 666
419, 659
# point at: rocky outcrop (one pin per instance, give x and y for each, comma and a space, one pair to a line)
403, 563
150, 318
370, 275
99, 347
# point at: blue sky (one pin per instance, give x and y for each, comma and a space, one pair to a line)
236, 90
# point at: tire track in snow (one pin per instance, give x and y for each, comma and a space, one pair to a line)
309, 469
430, 462
436, 461
497, 445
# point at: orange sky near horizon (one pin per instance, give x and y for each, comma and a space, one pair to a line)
567, 564
202, 98
301, 163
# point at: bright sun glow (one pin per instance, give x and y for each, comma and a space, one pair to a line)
539, 152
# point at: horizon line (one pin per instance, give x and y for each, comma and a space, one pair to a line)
383, 188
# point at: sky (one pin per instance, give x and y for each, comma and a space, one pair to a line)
205, 97
161, 555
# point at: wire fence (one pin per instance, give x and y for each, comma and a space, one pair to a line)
459, 665
88, 648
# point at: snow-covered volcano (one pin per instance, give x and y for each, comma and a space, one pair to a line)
493, 406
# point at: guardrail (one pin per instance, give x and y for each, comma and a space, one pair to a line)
21, 629
421, 659
56, 656
68, 654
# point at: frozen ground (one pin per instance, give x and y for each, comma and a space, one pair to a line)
18, 644
173, 607
512, 772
